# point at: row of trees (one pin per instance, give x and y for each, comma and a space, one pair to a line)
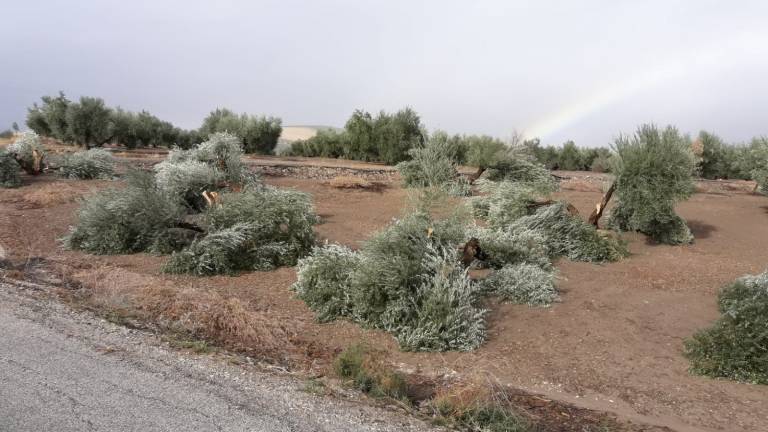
714, 158
91, 123
382, 138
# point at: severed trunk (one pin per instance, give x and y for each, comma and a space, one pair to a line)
476, 175
597, 213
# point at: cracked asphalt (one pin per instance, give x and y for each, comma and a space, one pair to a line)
62, 370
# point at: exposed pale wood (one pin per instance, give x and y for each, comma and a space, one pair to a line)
597, 213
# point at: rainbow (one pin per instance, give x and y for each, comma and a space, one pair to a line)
717, 56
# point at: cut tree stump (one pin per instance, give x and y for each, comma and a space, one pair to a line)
597, 213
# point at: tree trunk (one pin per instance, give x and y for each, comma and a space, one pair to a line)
475, 176
597, 213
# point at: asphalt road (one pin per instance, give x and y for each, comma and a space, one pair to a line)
62, 370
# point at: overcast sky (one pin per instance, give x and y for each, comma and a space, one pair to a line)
581, 70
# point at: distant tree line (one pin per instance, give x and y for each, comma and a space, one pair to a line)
89, 122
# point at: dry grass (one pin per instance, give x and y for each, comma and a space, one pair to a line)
352, 182
201, 313
52, 194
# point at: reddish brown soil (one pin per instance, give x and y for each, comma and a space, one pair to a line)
614, 343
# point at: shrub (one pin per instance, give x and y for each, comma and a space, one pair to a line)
736, 346
523, 284
9, 170
90, 164
759, 156
567, 235
512, 245
326, 143
407, 280
431, 166
258, 229
570, 157
185, 182
653, 171
6, 134
324, 281
28, 152
257, 134
365, 369
484, 151
602, 161
515, 166
504, 202
186, 174
127, 220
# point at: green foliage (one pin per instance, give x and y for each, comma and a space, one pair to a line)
653, 172
258, 229
258, 134
759, 157
89, 122
385, 138
90, 164
516, 166
9, 170
431, 166
504, 202
49, 119
736, 346
24, 149
567, 235
523, 283
602, 161
186, 174
124, 220
511, 245
484, 151
145, 130
324, 281
406, 280
185, 181
6, 133
570, 157
326, 143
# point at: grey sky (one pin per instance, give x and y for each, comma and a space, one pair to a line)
583, 70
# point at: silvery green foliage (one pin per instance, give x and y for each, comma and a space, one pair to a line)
219, 252
431, 166
126, 220
512, 245
758, 154
9, 170
186, 174
186, 181
91, 164
503, 202
517, 166
570, 236
654, 170
446, 316
406, 280
324, 281
736, 345
258, 229
24, 147
224, 151
523, 284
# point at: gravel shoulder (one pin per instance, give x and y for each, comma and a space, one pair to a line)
70, 371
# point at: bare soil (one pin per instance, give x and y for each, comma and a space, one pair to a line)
613, 344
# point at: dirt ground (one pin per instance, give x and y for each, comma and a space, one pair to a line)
614, 343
